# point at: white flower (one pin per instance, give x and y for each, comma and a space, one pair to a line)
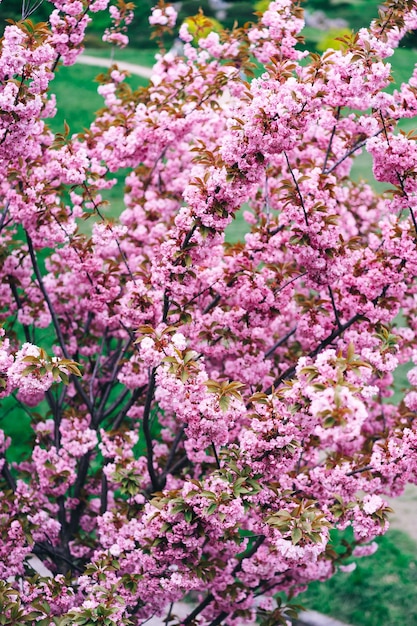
179, 341
372, 504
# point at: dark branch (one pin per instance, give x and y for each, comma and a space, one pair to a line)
326, 342
280, 342
209, 598
359, 470
357, 146
336, 314
19, 306
55, 322
329, 147
7, 475
39, 549
122, 414
173, 450
103, 493
119, 355
77, 493
298, 189
216, 456
147, 432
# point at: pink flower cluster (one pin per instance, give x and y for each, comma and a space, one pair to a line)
206, 410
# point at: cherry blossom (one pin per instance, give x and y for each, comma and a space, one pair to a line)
203, 413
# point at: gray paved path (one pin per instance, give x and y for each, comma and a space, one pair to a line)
132, 68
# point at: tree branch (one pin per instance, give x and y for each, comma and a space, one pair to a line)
217, 298
7, 475
116, 403
110, 383
173, 450
336, 314
298, 189
40, 548
359, 470
3, 222
216, 456
95, 368
357, 146
280, 342
120, 417
329, 147
77, 489
103, 493
326, 342
147, 432
16, 297
292, 280
55, 322
209, 598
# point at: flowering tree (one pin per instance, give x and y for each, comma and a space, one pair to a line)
213, 409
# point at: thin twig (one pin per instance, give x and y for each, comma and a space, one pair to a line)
384, 26
329, 147
209, 598
101, 216
298, 189
280, 342
95, 369
267, 205
217, 298
355, 147
384, 128
168, 617
336, 314
326, 342
122, 414
55, 321
7, 475
292, 280
216, 456
359, 470
27, 10
3, 217
117, 357
173, 450
114, 405
146, 429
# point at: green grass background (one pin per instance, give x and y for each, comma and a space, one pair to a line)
381, 591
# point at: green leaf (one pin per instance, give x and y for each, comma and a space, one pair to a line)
224, 403
296, 535
211, 509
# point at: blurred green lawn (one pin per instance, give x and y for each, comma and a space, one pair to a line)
77, 98
381, 591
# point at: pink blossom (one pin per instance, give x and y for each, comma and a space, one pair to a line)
206, 410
